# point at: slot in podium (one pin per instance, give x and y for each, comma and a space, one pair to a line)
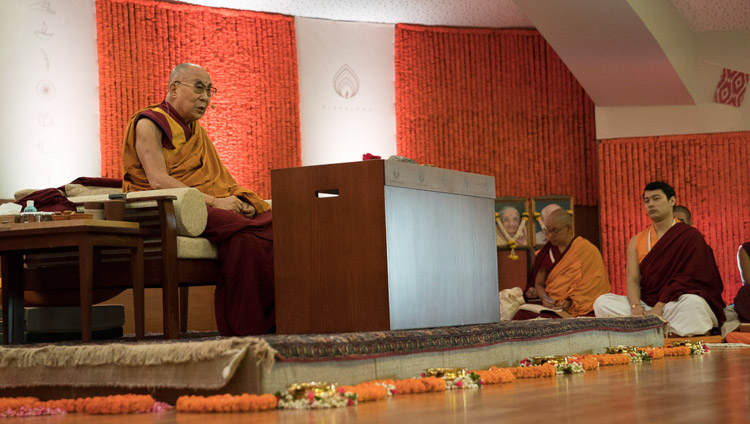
382, 245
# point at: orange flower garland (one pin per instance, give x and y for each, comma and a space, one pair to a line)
528, 102
116, 404
588, 362
496, 375
612, 359
419, 385
655, 352
226, 403
544, 370
677, 351
15, 403
367, 391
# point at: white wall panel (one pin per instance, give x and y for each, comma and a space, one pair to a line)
50, 113
346, 80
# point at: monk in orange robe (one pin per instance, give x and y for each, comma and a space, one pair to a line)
671, 272
568, 271
166, 147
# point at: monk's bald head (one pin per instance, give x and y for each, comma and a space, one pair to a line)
559, 218
178, 72
559, 228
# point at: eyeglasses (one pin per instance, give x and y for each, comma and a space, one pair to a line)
553, 231
200, 88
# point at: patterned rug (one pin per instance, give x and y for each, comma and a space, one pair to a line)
350, 346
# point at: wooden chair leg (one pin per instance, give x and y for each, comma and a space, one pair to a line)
183, 308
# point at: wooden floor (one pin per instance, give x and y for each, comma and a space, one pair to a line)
714, 388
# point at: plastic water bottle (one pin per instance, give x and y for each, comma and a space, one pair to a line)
30, 207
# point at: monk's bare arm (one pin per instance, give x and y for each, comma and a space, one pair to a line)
149, 149
633, 275
743, 261
541, 278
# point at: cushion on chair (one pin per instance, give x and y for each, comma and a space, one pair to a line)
196, 248
79, 190
189, 207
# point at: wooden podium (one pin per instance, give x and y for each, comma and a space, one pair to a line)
382, 245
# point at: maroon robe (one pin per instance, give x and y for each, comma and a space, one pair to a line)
244, 298
681, 262
742, 299
542, 261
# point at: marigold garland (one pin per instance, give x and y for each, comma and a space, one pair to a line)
496, 375
345, 395
226, 403
99, 405
677, 351
544, 370
612, 359
419, 385
367, 391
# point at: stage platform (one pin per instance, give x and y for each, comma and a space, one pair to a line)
203, 364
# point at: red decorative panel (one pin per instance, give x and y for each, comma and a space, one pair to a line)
731, 88
711, 176
495, 102
251, 57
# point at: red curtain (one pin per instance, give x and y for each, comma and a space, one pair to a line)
495, 102
251, 58
711, 176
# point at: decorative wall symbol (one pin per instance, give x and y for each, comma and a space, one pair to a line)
44, 6
396, 174
42, 33
46, 119
346, 82
45, 90
46, 58
421, 177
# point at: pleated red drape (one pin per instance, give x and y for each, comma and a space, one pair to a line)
495, 102
711, 176
251, 58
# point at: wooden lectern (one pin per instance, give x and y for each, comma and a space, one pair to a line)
382, 245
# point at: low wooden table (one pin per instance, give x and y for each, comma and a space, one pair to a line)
17, 240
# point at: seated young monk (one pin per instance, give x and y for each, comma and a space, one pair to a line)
568, 271
166, 147
671, 272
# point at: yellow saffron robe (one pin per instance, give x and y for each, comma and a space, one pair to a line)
580, 276
193, 161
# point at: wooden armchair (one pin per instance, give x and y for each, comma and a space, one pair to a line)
175, 258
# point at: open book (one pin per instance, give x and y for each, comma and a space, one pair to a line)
533, 307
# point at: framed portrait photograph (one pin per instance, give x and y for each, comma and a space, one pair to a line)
512, 221
541, 207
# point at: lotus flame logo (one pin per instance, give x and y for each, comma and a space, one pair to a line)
346, 82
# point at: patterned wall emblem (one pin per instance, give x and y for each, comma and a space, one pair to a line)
731, 88
346, 82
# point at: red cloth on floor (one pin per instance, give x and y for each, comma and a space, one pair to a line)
244, 298
682, 263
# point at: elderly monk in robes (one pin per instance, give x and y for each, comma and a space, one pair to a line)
671, 272
166, 147
568, 272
